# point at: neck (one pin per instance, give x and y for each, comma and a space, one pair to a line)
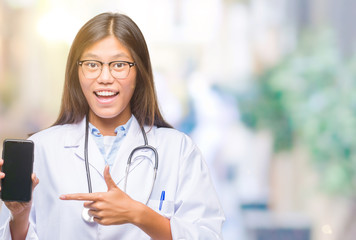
107, 126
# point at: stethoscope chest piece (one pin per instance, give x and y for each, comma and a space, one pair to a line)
86, 217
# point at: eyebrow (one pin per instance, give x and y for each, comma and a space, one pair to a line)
92, 55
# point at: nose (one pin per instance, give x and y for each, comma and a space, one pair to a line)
105, 76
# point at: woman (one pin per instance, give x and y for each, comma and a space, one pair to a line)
109, 107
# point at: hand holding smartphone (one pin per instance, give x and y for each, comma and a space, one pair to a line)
18, 166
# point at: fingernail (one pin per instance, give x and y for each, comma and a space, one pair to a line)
62, 197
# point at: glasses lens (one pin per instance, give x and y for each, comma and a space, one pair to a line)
91, 69
119, 69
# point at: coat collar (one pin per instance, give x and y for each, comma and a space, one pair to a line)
75, 134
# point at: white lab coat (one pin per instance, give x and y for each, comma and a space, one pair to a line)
190, 202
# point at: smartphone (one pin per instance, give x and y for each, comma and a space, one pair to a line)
18, 165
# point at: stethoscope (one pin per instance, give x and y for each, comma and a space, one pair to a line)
85, 213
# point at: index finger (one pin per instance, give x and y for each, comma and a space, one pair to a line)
79, 197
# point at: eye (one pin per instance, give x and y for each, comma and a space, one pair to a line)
118, 65
91, 65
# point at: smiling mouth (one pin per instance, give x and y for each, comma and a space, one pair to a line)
106, 93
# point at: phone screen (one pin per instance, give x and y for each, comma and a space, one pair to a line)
18, 165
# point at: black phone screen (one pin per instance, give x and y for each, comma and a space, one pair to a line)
18, 166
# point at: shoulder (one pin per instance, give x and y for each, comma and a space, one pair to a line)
47, 133
58, 133
174, 139
171, 134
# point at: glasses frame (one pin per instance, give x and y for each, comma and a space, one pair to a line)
131, 64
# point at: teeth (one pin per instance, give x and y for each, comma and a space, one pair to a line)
105, 93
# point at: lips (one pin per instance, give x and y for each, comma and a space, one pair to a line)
106, 96
106, 93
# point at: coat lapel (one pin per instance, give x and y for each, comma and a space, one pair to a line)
76, 139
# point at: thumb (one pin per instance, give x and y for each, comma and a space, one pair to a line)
109, 182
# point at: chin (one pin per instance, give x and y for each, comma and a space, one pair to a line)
108, 114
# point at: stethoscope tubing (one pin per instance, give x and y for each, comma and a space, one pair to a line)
145, 146
86, 154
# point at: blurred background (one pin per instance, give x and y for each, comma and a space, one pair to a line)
264, 87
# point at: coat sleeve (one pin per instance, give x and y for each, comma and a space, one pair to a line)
198, 214
5, 218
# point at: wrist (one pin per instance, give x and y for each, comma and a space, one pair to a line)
19, 225
137, 213
151, 222
20, 217
20, 213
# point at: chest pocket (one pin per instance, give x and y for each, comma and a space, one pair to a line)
167, 209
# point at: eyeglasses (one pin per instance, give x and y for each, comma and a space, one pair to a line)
93, 68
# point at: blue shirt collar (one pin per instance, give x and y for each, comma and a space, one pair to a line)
120, 130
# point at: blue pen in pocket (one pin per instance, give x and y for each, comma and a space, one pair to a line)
161, 200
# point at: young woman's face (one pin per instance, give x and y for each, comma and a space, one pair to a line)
108, 97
